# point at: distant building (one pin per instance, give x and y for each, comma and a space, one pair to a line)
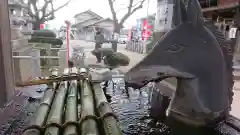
86, 23
223, 13
61, 33
124, 31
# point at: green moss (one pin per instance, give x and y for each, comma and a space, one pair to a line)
49, 40
117, 59
44, 33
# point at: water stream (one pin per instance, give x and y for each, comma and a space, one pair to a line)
132, 108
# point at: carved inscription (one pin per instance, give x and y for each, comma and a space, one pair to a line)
175, 48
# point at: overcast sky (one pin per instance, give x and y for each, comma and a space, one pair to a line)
100, 7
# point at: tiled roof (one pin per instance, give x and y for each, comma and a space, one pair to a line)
105, 19
89, 12
78, 107
74, 25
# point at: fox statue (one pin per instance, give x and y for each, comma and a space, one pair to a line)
191, 53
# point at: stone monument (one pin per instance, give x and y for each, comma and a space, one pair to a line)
25, 59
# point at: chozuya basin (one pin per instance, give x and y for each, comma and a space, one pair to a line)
190, 53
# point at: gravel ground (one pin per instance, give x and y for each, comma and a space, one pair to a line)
22, 120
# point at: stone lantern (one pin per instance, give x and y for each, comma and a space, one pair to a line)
26, 60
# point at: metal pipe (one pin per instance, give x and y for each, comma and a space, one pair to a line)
49, 80
33, 57
70, 125
39, 119
88, 117
108, 118
54, 120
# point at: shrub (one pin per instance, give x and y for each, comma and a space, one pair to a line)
49, 40
103, 51
116, 59
44, 33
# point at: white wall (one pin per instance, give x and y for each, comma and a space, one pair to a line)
106, 25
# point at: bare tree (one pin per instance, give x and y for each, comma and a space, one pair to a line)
41, 10
132, 7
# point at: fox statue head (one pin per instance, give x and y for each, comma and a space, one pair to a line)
190, 53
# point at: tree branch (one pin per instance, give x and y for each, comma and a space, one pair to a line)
22, 2
34, 4
30, 12
48, 18
131, 11
110, 2
54, 10
129, 6
44, 8
120, 9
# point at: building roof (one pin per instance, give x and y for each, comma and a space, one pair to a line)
96, 16
102, 20
84, 21
88, 12
221, 7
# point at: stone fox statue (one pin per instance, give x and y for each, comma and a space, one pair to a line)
192, 54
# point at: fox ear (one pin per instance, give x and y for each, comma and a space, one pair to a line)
179, 12
194, 12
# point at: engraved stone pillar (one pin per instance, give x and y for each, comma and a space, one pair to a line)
62, 61
6, 67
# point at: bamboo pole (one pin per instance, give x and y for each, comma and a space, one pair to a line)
49, 80
70, 125
108, 118
88, 117
54, 120
79, 103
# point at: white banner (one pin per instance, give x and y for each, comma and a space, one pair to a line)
163, 19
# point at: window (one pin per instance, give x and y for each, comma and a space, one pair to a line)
208, 3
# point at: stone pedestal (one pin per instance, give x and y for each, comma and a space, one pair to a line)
78, 57
26, 65
19, 43
63, 63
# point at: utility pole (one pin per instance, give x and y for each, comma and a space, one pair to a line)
6, 62
148, 7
